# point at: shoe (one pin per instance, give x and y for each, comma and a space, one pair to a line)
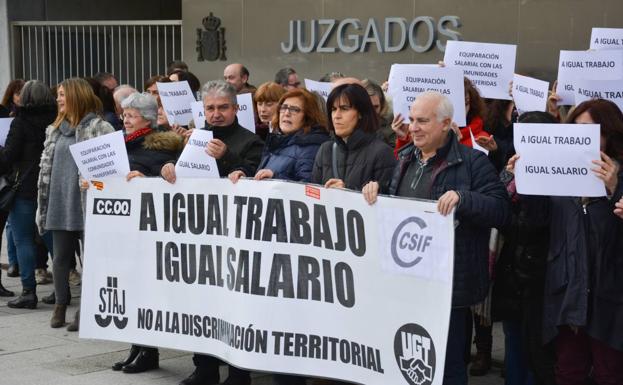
74, 278
28, 300
42, 276
5, 293
134, 350
201, 377
237, 377
147, 359
74, 326
13, 271
481, 364
51, 299
58, 316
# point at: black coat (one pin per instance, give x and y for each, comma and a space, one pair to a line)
149, 153
244, 148
483, 205
24, 145
584, 279
362, 159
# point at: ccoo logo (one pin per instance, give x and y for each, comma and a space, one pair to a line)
112, 306
408, 242
415, 354
103, 206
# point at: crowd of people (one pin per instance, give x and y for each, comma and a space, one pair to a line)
548, 268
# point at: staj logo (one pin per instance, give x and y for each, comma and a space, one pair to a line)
408, 241
119, 207
112, 306
415, 354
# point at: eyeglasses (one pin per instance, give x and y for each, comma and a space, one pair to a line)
130, 116
292, 109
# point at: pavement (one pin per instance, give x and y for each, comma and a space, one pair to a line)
32, 353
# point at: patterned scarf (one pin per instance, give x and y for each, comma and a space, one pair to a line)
137, 134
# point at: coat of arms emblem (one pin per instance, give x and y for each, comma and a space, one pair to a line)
211, 41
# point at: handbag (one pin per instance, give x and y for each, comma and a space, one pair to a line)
8, 189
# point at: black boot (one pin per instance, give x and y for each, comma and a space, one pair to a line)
201, 376
51, 299
4, 292
13, 271
28, 300
147, 359
237, 377
134, 350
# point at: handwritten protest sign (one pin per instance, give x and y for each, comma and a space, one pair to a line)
555, 159
490, 67
194, 162
5, 126
322, 88
246, 117
594, 65
529, 94
407, 81
607, 38
176, 98
198, 114
101, 157
599, 89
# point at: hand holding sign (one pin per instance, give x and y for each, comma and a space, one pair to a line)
216, 148
618, 208
607, 171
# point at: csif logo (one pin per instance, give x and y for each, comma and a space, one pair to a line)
409, 242
112, 306
415, 354
104, 206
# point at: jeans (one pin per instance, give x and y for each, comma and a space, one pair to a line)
22, 220
455, 372
515, 357
10, 244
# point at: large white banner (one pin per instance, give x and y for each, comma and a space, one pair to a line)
272, 276
556, 159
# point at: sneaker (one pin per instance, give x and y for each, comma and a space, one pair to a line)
74, 278
42, 276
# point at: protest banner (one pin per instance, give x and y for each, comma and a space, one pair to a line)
101, 157
407, 81
556, 159
606, 38
5, 126
176, 98
198, 114
529, 94
594, 65
194, 162
245, 115
323, 88
599, 89
356, 292
489, 66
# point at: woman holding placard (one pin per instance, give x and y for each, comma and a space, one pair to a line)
60, 203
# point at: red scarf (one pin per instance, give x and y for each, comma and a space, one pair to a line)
137, 134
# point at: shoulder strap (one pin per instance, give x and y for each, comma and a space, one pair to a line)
336, 174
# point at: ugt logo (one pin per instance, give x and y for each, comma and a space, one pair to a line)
408, 241
211, 42
112, 306
415, 354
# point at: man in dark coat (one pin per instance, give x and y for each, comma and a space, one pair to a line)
436, 166
233, 147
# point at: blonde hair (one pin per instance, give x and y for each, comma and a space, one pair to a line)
79, 101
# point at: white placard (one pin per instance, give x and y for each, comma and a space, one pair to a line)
194, 162
5, 126
599, 89
102, 157
407, 81
244, 272
246, 117
176, 98
607, 38
556, 159
594, 65
475, 145
529, 94
489, 66
198, 114
323, 88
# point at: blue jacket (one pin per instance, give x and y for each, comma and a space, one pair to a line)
291, 157
484, 204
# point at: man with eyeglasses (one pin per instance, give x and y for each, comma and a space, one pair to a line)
287, 78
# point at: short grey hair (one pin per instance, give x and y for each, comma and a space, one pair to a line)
219, 89
36, 94
281, 77
145, 104
122, 92
445, 110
